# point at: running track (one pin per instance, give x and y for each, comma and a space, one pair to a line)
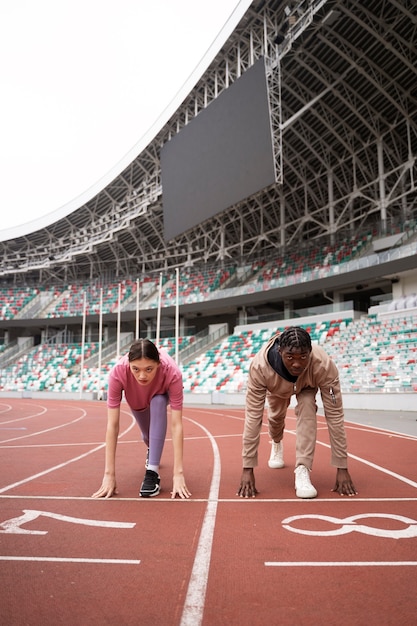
215, 559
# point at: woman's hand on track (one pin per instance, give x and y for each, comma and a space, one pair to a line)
108, 488
179, 487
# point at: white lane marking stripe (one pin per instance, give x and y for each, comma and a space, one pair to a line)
235, 500
61, 465
27, 417
53, 559
377, 467
192, 614
339, 563
42, 432
384, 470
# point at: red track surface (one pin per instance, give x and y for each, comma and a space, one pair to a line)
214, 559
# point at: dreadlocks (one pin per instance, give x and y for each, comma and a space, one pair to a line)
295, 338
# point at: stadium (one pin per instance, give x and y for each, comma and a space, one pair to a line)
282, 190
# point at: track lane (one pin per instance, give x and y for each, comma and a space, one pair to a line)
258, 569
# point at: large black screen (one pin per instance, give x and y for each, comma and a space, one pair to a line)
221, 157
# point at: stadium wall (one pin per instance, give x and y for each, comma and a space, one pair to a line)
388, 401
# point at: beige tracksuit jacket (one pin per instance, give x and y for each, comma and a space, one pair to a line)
265, 384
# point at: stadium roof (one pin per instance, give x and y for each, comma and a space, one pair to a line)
343, 100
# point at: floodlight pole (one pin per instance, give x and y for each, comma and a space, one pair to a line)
137, 308
158, 318
100, 339
82, 347
118, 321
177, 272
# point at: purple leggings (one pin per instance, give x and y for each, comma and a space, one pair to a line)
152, 422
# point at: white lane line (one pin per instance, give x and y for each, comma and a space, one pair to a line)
375, 466
53, 559
339, 563
373, 430
67, 444
27, 417
384, 470
191, 501
379, 430
408, 481
47, 430
192, 614
61, 465
50, 469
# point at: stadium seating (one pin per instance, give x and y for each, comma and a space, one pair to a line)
372, 355
316, 260
56, 368
14, 299
377, 354
44, 367
195, 283
168, 343
71, 301
225, 367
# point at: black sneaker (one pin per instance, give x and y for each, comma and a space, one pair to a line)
150, 486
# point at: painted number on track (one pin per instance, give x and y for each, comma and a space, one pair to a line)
14, 525
349, 524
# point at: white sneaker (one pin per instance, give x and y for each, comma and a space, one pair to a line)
276, 460
303, 486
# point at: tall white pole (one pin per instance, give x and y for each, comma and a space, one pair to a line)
118, 320
82, 347
137, 309
177, 310
158, 318
100, 339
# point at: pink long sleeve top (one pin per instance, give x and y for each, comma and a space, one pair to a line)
168, 380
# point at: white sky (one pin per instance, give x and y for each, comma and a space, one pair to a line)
82, 83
